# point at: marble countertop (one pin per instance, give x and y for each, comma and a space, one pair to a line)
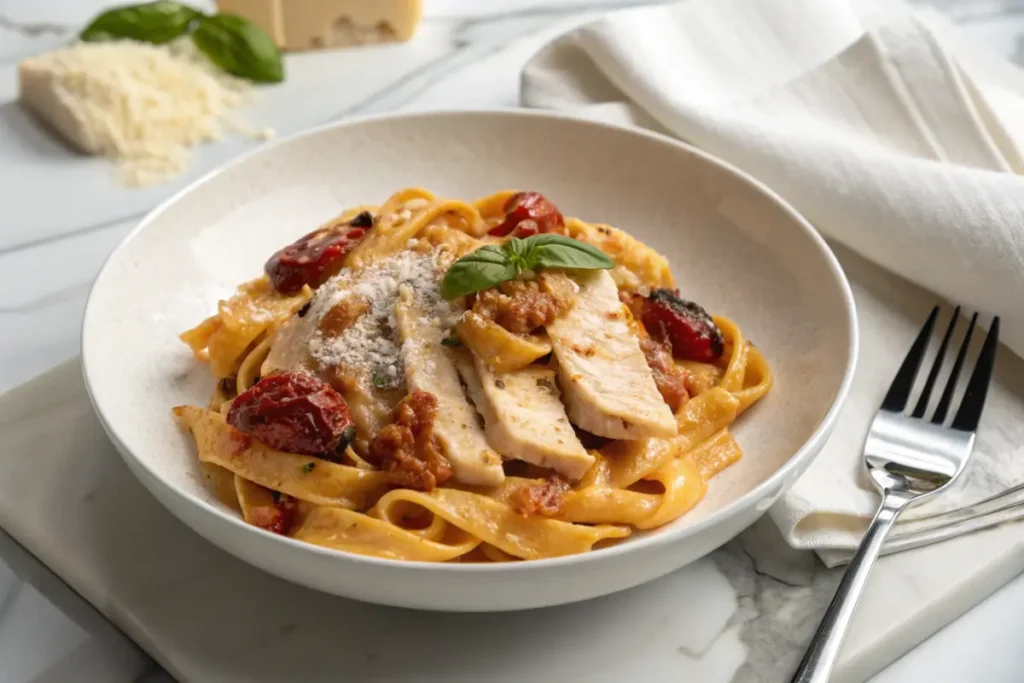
59, 223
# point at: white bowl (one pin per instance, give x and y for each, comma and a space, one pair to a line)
735, 247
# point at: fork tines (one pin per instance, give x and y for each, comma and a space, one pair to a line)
973, 400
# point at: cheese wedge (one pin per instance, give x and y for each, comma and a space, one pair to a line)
608, 386
319, 24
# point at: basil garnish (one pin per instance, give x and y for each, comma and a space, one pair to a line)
492, 265
485, 267
232, 43
151, 22
555, 251
239, 47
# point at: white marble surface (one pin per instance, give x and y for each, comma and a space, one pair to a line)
62, 215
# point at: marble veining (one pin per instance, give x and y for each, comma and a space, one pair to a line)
759, 600
781, 594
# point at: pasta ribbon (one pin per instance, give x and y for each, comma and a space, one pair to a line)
607, 505
251, 498
502, 350
249, 368
302, 476
735, 371
699, 418
703, 376
492, 208
499, 525
255, 308
355, 532
403, 217
715, 454
684, 488
757, 379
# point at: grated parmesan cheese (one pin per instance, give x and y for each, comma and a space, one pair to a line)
371, 342
143, 105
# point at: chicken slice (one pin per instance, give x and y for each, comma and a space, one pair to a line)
524, 417
609, 389
430, 367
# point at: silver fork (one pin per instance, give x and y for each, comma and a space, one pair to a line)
908, 458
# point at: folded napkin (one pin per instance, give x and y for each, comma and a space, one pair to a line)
891, 133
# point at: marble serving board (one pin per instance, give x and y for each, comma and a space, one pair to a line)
743, 614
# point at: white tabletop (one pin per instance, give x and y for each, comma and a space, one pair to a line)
469, 54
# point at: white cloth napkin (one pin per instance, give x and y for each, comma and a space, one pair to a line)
881, 124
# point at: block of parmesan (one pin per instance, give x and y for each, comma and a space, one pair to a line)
317, 24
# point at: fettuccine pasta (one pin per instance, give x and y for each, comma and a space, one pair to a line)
445, 381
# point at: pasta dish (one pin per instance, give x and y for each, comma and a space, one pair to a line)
439, 380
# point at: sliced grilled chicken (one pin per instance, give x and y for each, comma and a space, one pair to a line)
524, 417
430, 366
608, 387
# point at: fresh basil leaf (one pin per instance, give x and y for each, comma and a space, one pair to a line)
490, 265
485, 267
555, 251
515, 251
239, 47
151, 22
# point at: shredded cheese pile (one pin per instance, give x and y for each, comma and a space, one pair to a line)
371, 342
143, 105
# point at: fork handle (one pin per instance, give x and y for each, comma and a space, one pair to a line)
820, 657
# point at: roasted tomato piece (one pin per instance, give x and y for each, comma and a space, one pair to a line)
278, 517
293, 412
670, 378
312, 259
529, 213
544, 498
686, 326
407, 449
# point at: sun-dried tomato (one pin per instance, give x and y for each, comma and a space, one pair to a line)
293, 412
686, 326
277, 518
407, 449
315, 257
521, 306
544, 498
529, 213
670, 379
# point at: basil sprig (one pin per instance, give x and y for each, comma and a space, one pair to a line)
491, 265
151, 22
239, 47
234, 44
